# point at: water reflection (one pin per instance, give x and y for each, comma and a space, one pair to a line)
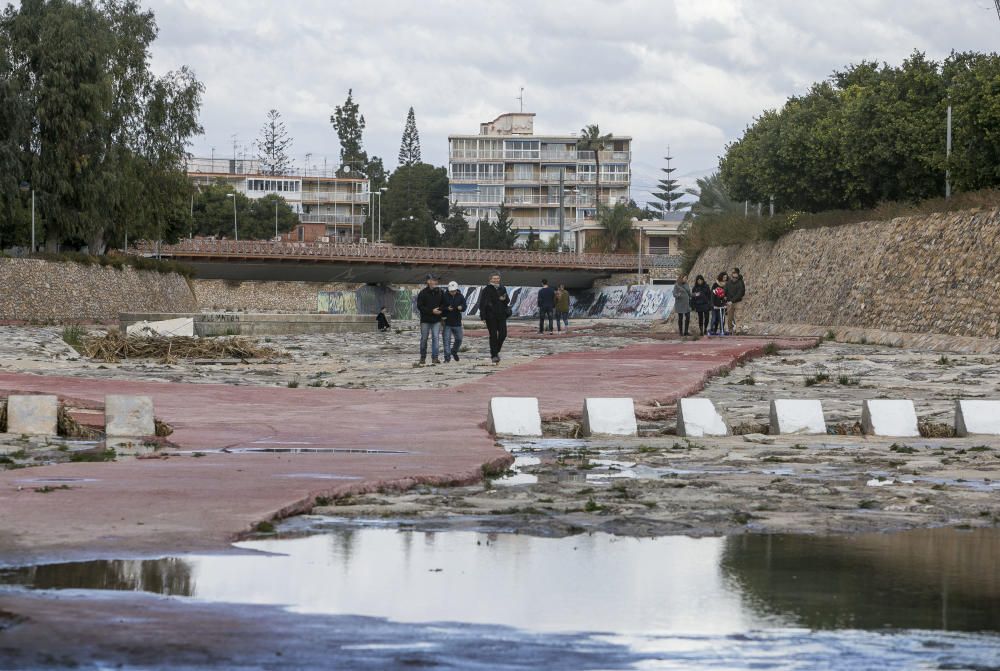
939, 579
927, 579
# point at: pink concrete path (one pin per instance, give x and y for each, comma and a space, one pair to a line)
182, 503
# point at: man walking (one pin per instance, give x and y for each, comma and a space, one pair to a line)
562, 307
736, 289
430, 305
494, 309
546, 306
454, 307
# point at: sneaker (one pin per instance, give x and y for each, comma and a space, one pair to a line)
435, 361
422, 362
496, 360
447, 360
454, 355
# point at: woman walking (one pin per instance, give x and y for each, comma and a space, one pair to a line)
682, 305
701, 302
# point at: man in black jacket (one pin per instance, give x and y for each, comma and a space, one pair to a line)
430, 305
546, 305
736, 289
493, 306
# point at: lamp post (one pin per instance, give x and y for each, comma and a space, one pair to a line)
25, 186
276, 218
378, 194
236, 230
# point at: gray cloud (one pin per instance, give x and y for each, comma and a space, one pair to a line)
688, 73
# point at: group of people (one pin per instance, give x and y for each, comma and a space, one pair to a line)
716, 305
442, 311
553, 304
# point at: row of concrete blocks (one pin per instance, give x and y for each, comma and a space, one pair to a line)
38, 415
697, 417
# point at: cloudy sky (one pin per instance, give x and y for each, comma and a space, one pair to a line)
688, 73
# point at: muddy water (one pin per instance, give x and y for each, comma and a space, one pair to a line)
886, 600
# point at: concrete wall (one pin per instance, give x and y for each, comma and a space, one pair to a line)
42, 291
930, 274
259, 296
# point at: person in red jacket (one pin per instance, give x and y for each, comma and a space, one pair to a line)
719, 303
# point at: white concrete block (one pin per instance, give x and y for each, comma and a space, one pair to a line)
514, 416
889, 417
804, 416
609, 417
977, 418
33, 415
183, 326
698, 417
128, 416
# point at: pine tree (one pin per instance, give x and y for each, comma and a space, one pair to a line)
669, 191
500, 234
456, 228
409, 148
273, 146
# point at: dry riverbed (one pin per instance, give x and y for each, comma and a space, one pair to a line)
660, 484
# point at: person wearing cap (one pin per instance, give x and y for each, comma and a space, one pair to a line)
430, 305
454, 307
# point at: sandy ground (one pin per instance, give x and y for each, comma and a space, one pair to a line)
345, 360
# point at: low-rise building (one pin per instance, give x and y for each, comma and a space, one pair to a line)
655, 236
328, 205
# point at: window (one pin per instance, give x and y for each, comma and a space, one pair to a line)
463, 170
523, 171
521, 148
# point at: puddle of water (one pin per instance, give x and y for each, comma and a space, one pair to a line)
673, 586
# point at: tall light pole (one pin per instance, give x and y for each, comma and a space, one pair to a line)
236, 230
378, 194
562, 204
275, 218
25, 186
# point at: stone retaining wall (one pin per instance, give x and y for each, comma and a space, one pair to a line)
934, 274
32, 290
260, 296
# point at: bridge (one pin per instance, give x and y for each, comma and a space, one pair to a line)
358, 262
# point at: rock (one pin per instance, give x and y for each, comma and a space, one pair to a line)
758, 438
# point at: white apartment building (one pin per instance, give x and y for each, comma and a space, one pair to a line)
507, 163
334, 204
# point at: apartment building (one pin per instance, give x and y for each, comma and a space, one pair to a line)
507, 163
329, 206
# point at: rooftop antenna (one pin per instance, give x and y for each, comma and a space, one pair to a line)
520, 97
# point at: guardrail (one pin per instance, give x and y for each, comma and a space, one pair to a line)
381, 253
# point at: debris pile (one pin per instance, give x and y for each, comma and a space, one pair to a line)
115, 346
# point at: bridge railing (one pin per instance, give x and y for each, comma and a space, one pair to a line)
391, 253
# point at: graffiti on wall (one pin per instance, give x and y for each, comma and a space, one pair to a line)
635, 302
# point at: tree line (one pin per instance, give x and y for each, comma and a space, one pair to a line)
873, 133
88, 127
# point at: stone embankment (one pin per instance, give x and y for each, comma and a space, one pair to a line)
934, 274
33, 290
262, 296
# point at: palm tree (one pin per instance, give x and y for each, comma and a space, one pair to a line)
592, 140
712, 197
616, 226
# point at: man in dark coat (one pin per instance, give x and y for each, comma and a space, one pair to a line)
546, 306
736, 289
494, 306
430, 305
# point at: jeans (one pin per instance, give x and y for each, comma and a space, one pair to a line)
718, 321
544, 313
562, 317
435, 332
452, 340
683, 322
498, 333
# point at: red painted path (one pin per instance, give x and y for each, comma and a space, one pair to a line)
184, 503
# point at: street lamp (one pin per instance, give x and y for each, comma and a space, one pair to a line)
26, 187
236, 230
275, 218
380, 192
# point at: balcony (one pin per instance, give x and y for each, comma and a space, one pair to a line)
606, 156
559, 156
476, 154
334, 197
477, 179
351, 219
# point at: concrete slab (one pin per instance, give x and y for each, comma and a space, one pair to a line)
33, 415
697, 417
514, 416
889, 417
207, 324
128, 416
977, 418
182, 326
803, 416
609, 417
